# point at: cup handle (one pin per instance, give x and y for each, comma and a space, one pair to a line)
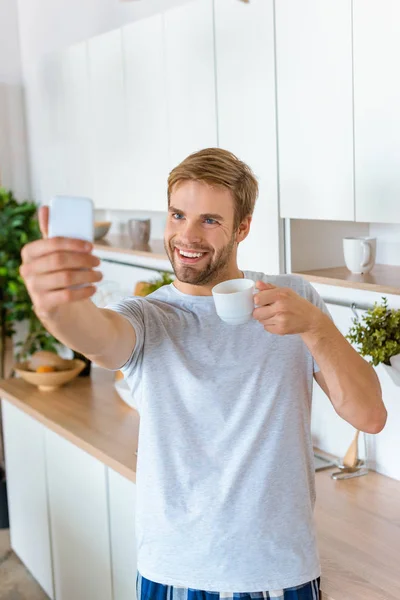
367, 254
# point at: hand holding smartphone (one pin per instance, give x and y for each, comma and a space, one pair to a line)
59, 269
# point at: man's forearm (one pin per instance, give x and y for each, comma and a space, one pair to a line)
81, 326
353, 385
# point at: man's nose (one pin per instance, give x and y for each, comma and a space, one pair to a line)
191, 233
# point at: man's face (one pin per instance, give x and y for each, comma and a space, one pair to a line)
199, 237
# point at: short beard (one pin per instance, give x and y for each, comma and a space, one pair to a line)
212, 271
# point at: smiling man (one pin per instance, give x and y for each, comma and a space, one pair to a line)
225, 472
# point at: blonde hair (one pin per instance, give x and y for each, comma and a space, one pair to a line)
221, 168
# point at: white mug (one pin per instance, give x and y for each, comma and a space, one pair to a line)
234, 301
359, 254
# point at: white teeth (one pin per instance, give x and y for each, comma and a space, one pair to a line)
191, 254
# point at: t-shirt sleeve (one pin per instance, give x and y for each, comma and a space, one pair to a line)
311, 294
132, 309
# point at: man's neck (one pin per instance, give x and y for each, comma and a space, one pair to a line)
205, 290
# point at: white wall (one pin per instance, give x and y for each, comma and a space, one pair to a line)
48, 25
388, 243
10, 64
14, 172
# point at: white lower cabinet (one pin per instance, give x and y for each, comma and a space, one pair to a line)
27, 493
79, 522
122, 502
72, 519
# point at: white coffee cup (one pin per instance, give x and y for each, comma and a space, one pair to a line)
234, 301
359, 254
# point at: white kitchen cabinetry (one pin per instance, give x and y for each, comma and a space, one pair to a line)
79, 522
77, 120
147, 113
109, 139
27, 493
247, 116
190, 76
376, 110
315, 125
122, 499
50, 113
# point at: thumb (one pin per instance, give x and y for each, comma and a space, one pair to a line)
44, 220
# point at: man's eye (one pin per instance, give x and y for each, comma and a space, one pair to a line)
210, 221
177, 216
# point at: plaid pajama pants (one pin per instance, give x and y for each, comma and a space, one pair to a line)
149, 590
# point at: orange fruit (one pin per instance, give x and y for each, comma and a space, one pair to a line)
45, 369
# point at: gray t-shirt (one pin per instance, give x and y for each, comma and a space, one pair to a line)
225, 472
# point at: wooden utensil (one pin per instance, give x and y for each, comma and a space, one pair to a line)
351, 456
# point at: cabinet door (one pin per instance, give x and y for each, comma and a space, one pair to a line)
147, 113
109, 147
376, 110
244, 37
315, 124
122, 495
53, 171
27, 494
80, 537
190, 68
77, 120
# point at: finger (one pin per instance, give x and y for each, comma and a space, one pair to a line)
59, 261
59, 297
264, 312
265, 297
44, 220
64, 279
42, 247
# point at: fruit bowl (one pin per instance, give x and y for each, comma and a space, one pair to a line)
48, 382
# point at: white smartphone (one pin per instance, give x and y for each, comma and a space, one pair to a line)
72, 216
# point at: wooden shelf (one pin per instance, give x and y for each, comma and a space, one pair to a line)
123, 244
384, 279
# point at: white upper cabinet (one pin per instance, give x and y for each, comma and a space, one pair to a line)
147, 118
245, 63
190, 73
50, 112
315, 122
77, 120
377, 110
109, 139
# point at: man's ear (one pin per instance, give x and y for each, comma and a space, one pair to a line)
243, 229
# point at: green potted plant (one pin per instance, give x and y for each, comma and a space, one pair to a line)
18, 226
377, 335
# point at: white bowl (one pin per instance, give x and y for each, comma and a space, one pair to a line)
125, 393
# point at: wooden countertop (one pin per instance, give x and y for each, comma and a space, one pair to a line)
358, 520
123, 244
384, 279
